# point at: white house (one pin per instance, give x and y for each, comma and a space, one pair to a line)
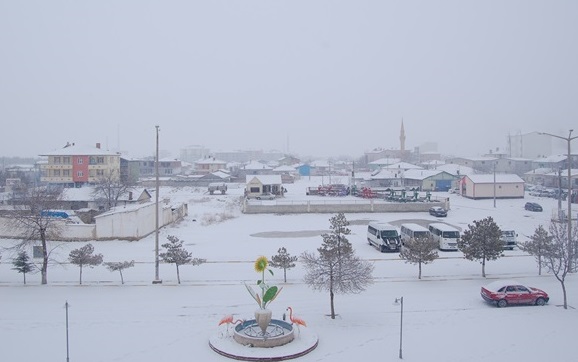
487, 186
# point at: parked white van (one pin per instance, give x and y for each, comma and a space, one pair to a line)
510, 239
383, 236
447, 236
413, 231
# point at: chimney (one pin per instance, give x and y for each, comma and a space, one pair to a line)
98, 145
130, 195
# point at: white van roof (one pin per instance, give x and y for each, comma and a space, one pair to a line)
382, 225
415, 227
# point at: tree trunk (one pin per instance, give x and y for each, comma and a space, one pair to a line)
44, 269
80, 274
332, 307
24, 277
564, 292
331, 296
178, 276
285, 275
419, 277
121, 278
484, 267
539, 265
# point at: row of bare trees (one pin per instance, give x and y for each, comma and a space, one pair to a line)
31, 216
481, 242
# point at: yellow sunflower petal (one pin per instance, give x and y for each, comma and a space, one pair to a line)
261, 264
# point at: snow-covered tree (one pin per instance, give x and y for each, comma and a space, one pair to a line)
178, 255
558, 257
85, 256
35, 223
119, 266
482, 241
283, 260
538, 245
419, 251
336, 268
22, 264
109, 187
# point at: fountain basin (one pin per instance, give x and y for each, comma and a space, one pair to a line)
278, 333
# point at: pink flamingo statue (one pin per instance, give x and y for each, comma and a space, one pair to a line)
228, 319
296, 320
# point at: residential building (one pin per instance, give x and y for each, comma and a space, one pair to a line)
75, 165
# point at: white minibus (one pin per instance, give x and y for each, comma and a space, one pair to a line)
413, 231
383, 236
447, 236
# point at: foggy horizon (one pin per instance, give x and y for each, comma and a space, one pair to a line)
324, 78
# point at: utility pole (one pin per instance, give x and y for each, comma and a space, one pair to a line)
569, 212
157, 280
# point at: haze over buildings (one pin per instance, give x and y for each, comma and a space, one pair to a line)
322, 78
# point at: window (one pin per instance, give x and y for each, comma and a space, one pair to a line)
66, 173
66, 160
100, 160
57, 160
56, 173
80, 174
80, 161
99, 172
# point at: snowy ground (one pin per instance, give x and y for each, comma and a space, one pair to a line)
444, 318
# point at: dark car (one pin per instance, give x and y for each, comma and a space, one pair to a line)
505, 292
532, 206
438, 211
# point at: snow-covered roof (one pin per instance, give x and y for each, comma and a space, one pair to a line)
80, 150
402, 166
385, 174
551, 159
456, 170
500, 178
254, 165
285, 169
210, 161
265, 179
385, 161
420, 174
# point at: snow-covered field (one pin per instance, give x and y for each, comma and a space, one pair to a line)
444, 317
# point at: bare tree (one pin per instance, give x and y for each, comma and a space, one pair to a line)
178, 255
419, 251
558, 257
22, 264
110, 187
538, 245
482, 241
283, 260
85, 256
336, 268
119, 266
34, 221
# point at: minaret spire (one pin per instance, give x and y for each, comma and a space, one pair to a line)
402, 138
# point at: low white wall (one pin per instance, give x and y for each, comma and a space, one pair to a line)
132, 223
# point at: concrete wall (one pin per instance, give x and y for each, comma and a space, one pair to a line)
132, 223
334, 206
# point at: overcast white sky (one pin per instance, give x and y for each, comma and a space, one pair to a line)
323, 78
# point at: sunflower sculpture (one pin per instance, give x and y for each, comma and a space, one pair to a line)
268, 292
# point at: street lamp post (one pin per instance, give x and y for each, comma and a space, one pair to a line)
400, 302
569, 162
157, 280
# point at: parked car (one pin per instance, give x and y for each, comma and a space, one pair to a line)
532, 206
438, 211
263, 196
505, 292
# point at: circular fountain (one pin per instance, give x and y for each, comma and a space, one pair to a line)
278, 342
277, 333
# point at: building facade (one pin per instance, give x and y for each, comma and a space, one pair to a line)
76, 165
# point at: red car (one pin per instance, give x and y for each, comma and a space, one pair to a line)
506, 292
